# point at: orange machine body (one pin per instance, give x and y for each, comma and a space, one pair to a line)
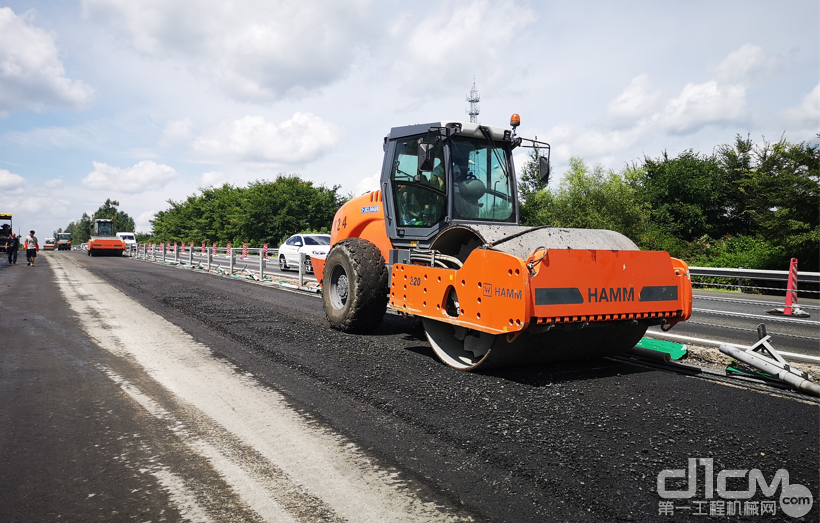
106, 244
498, 294
361, 217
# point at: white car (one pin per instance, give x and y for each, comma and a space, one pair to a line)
129, 238
310, 244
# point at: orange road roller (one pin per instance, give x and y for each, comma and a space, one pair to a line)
442, 241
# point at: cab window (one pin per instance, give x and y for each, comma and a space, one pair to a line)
482, 189
420, 197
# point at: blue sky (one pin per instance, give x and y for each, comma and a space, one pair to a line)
145, 101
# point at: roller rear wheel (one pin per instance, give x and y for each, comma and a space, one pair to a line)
355, 286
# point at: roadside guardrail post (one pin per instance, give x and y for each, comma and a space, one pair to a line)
301, 269
740, 283
191, 255
176, 253
231, 259
164, 249
261, 266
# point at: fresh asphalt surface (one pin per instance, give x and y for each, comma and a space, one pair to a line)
583, 441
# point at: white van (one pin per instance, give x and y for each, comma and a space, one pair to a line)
130, 240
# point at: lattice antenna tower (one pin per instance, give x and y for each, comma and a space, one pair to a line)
473, 97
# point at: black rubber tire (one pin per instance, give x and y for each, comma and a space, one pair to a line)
365, 300
283, 263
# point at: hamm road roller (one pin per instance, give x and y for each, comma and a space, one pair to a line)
103, 241
442, 241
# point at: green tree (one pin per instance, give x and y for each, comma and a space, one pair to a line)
122, 221
686, 194
593, 199
264, 212
80, 230
529, 176
781, 189
534, 198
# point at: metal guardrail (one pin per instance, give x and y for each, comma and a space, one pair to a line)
753, 274
218, 259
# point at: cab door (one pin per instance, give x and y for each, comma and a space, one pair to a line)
418, 200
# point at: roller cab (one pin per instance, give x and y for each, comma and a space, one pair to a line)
441, 241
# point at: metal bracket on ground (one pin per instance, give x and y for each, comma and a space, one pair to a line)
765, 358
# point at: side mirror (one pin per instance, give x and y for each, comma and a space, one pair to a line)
544, 169
426, 157
297, 244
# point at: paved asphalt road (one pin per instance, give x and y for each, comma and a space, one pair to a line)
135, 392
733, 318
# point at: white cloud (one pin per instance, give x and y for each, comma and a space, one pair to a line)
144, 176
176, 131
143, 221
213, 178
59, 137
41, 204
31, 74
592, 142
141, 152
368, 184
703, 104
444, 48
640, 99
806, 116
10, 183
597, 143
56, 183
258, 51
748, 64
253, 139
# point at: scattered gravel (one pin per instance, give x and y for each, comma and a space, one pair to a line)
712, 358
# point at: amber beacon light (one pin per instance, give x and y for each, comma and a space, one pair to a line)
515, 120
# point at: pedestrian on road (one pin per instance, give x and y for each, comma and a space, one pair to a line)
32, 246
12, 245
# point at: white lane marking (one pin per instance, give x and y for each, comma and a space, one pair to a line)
315, 458
783, 319
752, 302
716, 343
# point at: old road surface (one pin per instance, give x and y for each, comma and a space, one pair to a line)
131, 391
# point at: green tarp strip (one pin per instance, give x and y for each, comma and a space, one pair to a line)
676, 351
750, 373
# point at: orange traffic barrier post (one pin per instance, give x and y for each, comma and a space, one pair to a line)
791, 308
